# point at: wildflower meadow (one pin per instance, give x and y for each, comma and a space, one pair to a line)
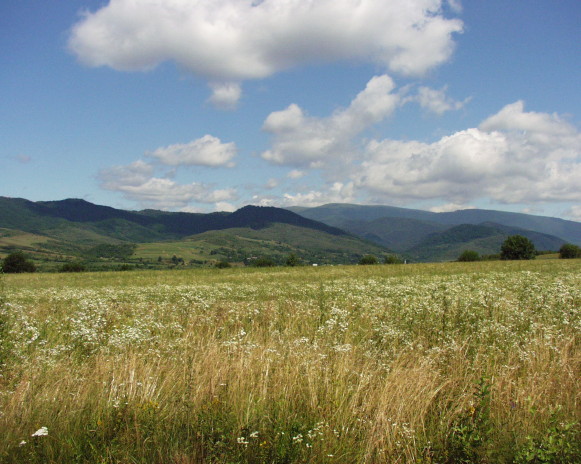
428, 363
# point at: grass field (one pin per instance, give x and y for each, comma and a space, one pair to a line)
428, 363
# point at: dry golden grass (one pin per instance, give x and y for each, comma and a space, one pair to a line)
344, 365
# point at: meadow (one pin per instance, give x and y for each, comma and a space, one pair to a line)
423, 363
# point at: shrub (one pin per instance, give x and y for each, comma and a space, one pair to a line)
559, 445
393, 259
264, 262
109, 250
368, 259
17, 263
292, 260
222, 265
72, 267
469, 255
517, 247
569, 251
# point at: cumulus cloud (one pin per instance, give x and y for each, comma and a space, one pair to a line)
437, 101
449, 207
224, 206
455, 5
205, 151
296, 174
302, 140
131, 175
225, 95
137, 183
512, 157
338, 192
234, 40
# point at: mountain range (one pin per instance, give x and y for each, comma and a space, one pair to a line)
428, 236
334, 233
77, 229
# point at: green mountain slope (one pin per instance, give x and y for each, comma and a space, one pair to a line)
147, 225
339, 214
275, 241
484, 238
397, 234
76, 228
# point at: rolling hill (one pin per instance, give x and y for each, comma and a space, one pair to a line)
77, 229
427, 236
336, 214
485, 238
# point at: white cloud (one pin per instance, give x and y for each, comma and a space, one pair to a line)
224, 206
437, 101
136, 183
132, 175
271, 183
513, 157
449, 207
455, 5
541, 129
338, 192
296, 174
205, 151
234, 40
225, 95
302, 140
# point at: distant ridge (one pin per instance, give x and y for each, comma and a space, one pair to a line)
54, 232
338, 215
29, 216
334, 233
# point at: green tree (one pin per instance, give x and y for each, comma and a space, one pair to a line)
392, 259
569, 251
222, 264
469, 255
263, 262
292, 260
517, 247
17, 263
368, 260
72, 267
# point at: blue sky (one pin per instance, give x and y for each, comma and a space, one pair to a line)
214, 104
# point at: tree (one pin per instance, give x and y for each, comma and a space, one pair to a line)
368, 259
569, 251
264, 262
517, 247
72, 267
292, 260
17, 263
392, 259
222, 264
468, 256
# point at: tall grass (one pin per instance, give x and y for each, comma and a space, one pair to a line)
430, 363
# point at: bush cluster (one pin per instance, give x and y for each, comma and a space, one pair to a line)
16, 263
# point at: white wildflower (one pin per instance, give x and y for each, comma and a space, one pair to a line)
41, 432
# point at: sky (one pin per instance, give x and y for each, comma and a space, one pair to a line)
210, 105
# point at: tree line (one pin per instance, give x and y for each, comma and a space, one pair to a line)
515, 247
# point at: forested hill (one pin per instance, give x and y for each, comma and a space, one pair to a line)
359, 218
43, 216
